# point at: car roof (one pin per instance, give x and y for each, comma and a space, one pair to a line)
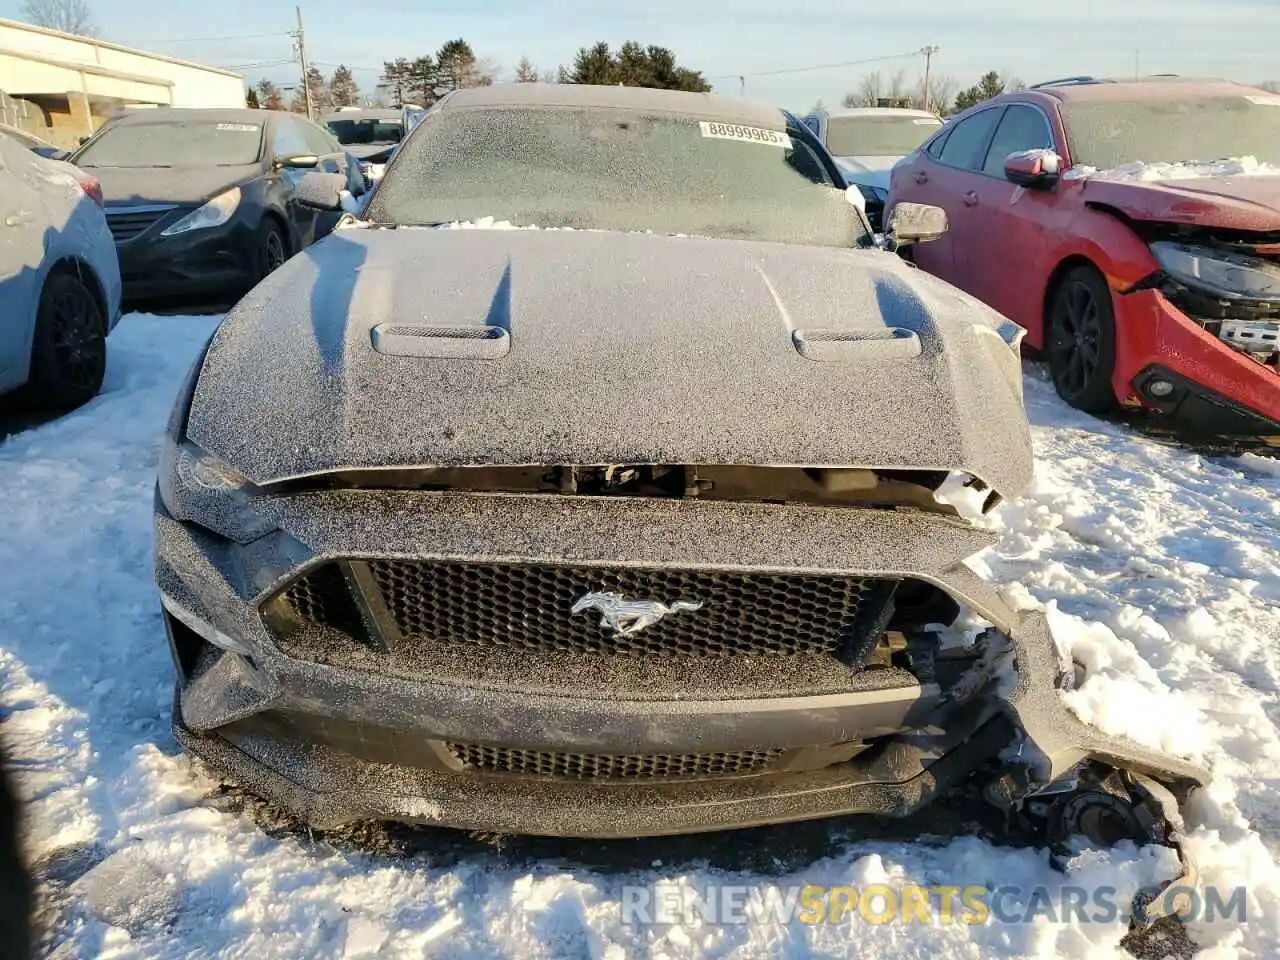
363, 113
880, 112
1085, 89
22, 136
210, 114
698, 106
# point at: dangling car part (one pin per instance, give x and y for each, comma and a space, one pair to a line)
605, 533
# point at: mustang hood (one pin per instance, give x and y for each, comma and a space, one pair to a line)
1230, 202
121, 185
599, 348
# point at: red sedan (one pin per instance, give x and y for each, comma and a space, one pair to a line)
1098, 215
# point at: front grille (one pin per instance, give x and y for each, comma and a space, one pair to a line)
127, 224
435, 604
595, 766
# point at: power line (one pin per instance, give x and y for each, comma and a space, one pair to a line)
822, 66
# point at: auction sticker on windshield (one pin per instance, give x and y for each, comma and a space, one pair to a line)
735, 131
239, 127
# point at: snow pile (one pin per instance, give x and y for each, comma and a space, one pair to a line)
1142, 172
484, 223
1159, 569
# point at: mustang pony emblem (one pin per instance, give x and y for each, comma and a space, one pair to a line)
624, 616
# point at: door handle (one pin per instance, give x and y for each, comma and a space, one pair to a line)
971, 199
922, 177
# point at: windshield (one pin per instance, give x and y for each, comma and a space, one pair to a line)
174, 143
1106, 134
872, 136
366, 131
614, 169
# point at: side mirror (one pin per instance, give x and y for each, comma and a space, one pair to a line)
302, 162
322, 191
1035, 169
916, 223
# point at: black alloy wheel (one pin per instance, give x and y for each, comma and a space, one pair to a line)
1081, 341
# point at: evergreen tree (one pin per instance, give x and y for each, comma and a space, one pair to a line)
251, 99
395, 78
269, 96
320, 100
991, 85
526, 72
633, 66
343, 90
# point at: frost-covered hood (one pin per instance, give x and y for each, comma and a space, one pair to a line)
1229, 202
868, 171
624, 348
122, 185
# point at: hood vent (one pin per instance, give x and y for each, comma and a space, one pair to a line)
848, 346
442, 343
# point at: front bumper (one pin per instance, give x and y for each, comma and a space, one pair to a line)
1218, 391
336, 744
212, 262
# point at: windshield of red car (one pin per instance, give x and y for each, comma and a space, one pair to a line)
615, 169
872, 136
1106, 133
174, 143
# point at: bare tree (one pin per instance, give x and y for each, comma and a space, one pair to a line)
868, 92
942, 94
69, 16
897, 87
1012, 84
526, 72
1271, 86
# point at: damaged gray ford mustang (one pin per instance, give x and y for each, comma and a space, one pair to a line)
628, 525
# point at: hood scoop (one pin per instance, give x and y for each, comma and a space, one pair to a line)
853, 346
441, 343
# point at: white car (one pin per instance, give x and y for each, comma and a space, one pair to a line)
59, 279
867, 141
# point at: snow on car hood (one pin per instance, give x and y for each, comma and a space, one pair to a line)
1239, 193
121, 185
868, 171
623, 348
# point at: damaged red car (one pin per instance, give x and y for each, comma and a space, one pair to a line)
1133, 228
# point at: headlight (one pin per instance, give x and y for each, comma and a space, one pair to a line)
213, 214
198, 487
1222, 273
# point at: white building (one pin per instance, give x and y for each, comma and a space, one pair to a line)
61, 86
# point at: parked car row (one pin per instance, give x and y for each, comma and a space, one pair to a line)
620, 522
158, 203
1133, 229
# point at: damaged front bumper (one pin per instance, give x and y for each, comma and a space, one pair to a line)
563, 743
1191, 379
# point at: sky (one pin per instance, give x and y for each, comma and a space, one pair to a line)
727, 39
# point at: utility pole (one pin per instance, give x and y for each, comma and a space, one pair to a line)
301, 45
928, 62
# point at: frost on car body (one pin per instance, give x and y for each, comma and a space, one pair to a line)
59, 278
603, 532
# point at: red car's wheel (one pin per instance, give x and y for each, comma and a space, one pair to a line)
1082, 341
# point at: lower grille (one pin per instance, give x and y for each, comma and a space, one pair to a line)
126, 224
434, 604
594, 766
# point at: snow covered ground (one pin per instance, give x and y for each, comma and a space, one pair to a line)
1172, 560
